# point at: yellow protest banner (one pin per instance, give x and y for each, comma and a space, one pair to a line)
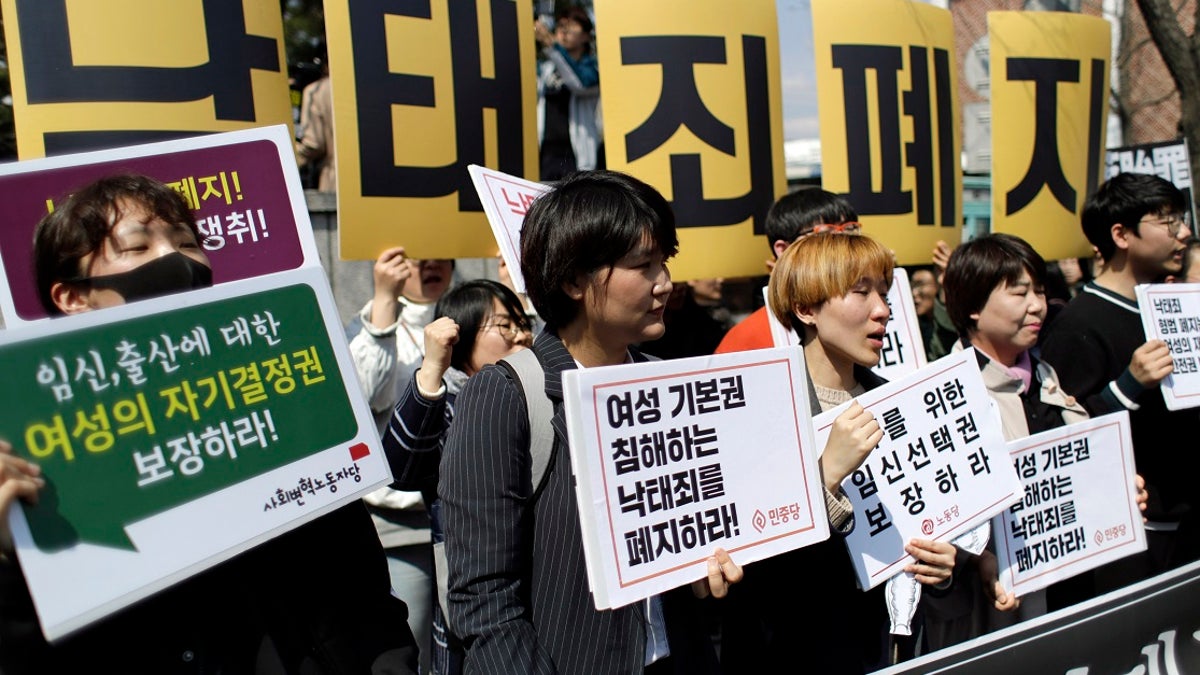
691, 100
1049, 80
90, 75
887, 96
420, 91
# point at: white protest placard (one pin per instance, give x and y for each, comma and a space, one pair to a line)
1079, 509
505, 200
210, 421
1171, 313
781, 335
903, 349
940, 470
675, 458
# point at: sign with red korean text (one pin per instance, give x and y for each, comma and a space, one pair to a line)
90, 75
1079, 508
505, 200
1171, 313
887, 95
242, 187
903, 349
421, 90
940, 470
673, 459
177, 432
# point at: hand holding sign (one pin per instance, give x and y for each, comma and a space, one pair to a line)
853, 435
935, 560
19, 479
1171, 321
1151, 363
989, 571
390, 273
722, 573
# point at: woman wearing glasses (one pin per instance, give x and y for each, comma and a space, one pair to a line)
477, 324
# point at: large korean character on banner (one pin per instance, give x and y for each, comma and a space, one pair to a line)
1049, 79
421, 90
691, 105
888, 107
92, 75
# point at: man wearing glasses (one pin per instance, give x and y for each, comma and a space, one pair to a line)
1135, 221
796, 215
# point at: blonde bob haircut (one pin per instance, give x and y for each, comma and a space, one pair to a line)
823, 266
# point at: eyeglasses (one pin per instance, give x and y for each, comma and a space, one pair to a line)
508, 330
1174, 225
851, 227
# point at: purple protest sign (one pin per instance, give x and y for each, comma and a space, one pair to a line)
245, 199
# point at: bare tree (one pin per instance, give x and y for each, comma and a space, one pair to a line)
1134, 95
1181, 53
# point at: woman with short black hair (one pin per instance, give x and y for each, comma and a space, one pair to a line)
593, 254
476, 324
995, 294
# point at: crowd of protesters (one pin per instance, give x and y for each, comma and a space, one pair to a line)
510, 590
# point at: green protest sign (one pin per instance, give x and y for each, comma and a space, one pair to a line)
131, 419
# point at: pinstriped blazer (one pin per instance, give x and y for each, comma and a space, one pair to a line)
519, 593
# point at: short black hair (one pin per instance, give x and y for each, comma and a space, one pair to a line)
80, 224
1126, 198
577, 14
470, 304
979, 266
913, 269
590, 220
798, 212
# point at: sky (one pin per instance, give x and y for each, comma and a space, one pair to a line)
797, 70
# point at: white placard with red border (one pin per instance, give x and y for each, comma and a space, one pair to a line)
505, 200
1171, 312
1079, 508
676, 458
903, 349
940, 470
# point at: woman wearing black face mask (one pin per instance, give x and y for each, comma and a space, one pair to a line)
120, 239
315, 599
